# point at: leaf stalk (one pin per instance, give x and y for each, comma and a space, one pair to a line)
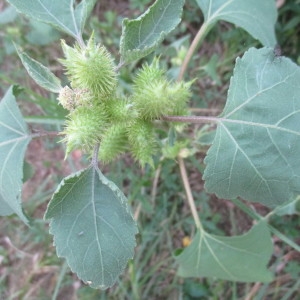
203, 31
188, 192
191, 119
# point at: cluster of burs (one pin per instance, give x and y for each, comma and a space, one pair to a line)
98, 115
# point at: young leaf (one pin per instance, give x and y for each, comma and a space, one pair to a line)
256, 17
238, 258
61, 14
92, 227
39, 73
142, 35
14, 138
255, 153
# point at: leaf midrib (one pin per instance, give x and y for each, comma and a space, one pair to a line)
153, 30
262, 125
59, 22
95, 220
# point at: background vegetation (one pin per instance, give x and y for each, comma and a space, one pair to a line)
30, 268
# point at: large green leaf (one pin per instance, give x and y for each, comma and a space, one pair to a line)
142, 35
41, 34
238, 258
14, 138
92, 227
63, 14
255, 153
257, 17
39, 73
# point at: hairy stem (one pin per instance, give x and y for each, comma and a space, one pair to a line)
188, 192
95, 157
191, 119
44, 133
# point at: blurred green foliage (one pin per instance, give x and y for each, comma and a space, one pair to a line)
164, 218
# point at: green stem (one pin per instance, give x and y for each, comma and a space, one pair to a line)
198, 38
191, 119
188, 192
203, 31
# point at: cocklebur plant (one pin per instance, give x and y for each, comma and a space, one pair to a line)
97, 115
154, 96
253, 155
91, 68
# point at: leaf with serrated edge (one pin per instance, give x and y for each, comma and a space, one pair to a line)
61, 14
92, 227
255, 153
237, 258
142, 35
257, 17
39, 73
14, 139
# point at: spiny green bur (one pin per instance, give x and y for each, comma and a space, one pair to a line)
121, 110
91, 68
98, 115
84, 128
114, 142
142, 141
155, 96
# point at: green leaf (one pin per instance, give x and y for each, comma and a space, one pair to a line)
39, 73
142, 35
8, 15
255, 153
62, 14
257, 17
41, 33
92, 227
28, 171
14, 138
291, 208
238, 258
